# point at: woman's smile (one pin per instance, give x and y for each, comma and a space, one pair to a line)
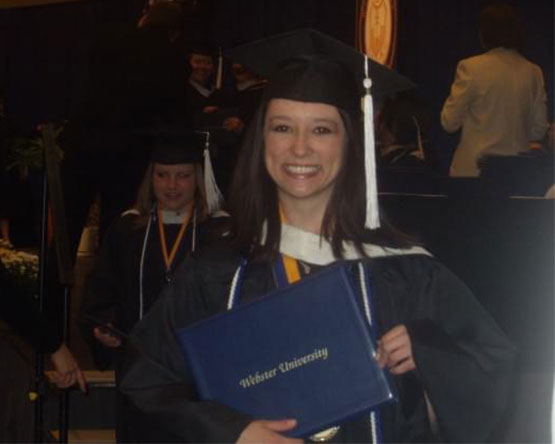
301, 171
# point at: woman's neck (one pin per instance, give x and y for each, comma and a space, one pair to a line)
303, 214
174, 216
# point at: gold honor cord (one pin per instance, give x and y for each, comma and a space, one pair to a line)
293, 274
291, 267
290, 264
169, 259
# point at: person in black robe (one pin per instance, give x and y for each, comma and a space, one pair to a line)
402, 125
141, 251
202, 98
248, 93
298, 196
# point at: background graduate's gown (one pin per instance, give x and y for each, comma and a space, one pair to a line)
463, 359
113, 295
112, 290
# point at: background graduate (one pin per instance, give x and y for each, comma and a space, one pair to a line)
298, 196
143, 248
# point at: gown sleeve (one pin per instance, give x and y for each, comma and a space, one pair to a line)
463, 359
101, 291
156, 377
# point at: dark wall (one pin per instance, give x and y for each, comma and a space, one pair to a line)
43, 49
238, 21
435, 34
43, 53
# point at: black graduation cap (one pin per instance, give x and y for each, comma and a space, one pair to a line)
202, 47
173, 147
266, 56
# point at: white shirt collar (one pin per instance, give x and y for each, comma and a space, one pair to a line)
173, 217
202, 90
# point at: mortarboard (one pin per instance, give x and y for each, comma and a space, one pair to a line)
264, 56
307, 65
170, 148
202, 47
173, 147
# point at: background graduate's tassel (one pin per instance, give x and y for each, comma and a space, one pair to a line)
372, 211
419, 138
213, 194
219, 72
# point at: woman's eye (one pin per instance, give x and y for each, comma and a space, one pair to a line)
322, 130
161, 174
280, 128
184, 175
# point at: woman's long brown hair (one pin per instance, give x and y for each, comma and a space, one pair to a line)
254, 199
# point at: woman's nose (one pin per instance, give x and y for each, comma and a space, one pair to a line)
172, 182
300, 144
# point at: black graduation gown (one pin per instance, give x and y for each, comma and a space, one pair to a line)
195, 103
112, 288
112, 295
463, 359
247, 100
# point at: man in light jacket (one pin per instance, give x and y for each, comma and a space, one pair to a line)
498, 98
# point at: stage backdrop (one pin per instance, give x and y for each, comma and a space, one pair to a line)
43, 49
435, 34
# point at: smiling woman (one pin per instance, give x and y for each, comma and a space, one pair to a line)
174, 186
304, 154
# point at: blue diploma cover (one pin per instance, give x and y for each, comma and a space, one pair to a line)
302, 352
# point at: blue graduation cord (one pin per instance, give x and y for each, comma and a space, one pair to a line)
281, 275
366, 290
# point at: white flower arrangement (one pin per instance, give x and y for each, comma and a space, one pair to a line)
23, 266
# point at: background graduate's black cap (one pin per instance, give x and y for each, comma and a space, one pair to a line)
173, 147
307, 65
203, 47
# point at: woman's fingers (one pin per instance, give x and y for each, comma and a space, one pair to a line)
403, 367
395, 332
106, 339
80, 378
395, 351
60, 380
264, 431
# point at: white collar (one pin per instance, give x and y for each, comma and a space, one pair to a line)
311, 248
249, 84
202, 90
173, 217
